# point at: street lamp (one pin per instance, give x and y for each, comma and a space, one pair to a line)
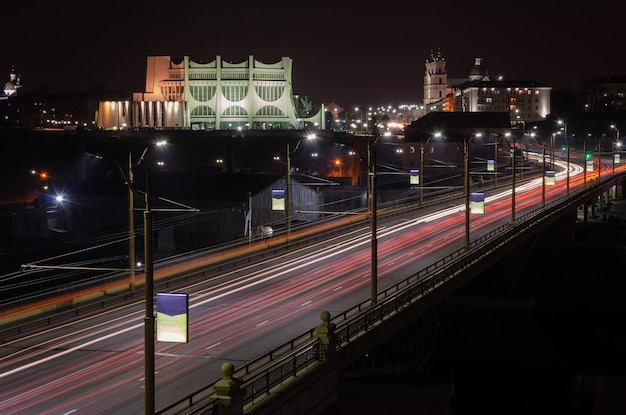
437, 134
288, 185
131, 214
149, 395
371, 164
613, 126
149, 319
567, 144
513, 182
599, 156
496, 139
466, 185
585, 157
543, 176
552, 153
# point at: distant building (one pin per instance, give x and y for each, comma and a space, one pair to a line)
526, 101
606, 93
11, 87
218, 95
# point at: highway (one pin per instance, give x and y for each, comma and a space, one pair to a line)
96, 365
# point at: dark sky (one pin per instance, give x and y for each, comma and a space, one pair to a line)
347, 52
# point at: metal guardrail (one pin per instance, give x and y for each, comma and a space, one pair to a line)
277, 367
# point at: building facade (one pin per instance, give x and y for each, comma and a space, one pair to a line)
526, 101
607, 93
217, 95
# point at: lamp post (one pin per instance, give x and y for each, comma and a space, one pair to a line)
288, 197
566, 140
599, 156
131, 211
437, 134
466, 185
543, 178
149, 383
371, 163
149, 317
496, 139
467, 191
521, 152
585, 159
288, 193
552, 152
614, 126
513, 182
131, 218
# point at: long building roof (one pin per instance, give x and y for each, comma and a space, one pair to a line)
458, 124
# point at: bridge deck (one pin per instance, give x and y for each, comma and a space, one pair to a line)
574, 324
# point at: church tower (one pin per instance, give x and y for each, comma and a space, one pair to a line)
478, 71
435, 79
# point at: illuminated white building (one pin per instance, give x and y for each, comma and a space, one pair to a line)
217, 95
526, 101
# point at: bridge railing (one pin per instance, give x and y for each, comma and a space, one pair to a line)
262, 375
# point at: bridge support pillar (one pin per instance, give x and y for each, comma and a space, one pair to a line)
229, 392
326, 337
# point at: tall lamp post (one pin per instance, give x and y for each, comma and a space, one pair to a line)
513, 182
149, 395
437, 134
288, 197
567, 147
371, 163
149, 383
466, 185
149, 319
585, 157
131, 209
543, 176
288, 192
495, 159
613, 126
131, 217
599, 156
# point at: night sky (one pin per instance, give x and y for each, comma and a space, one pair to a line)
347, 52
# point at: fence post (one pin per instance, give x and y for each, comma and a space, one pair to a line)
229, 392
326, 337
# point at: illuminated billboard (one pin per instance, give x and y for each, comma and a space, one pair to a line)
278, 199
172, 317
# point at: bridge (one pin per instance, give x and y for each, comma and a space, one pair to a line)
302, 375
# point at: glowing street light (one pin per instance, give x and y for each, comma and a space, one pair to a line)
149, 318
466, 185
566, 138
371, 168
421, 172
288, 201
616, 141
131, 211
